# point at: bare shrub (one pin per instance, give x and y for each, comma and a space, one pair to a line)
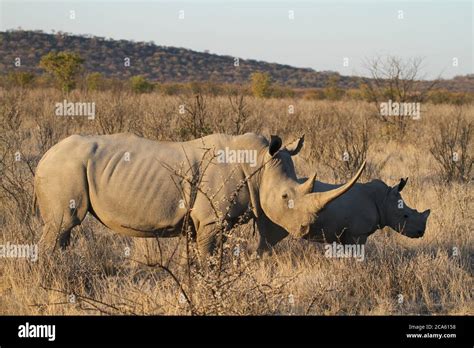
349, 151
194, 122
113, 115
16, 168
215, 285
157, 120
398, 80
452, 148
341, 138
240, 110
342, 143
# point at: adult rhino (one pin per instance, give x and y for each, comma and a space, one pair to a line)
351, 218
142, 188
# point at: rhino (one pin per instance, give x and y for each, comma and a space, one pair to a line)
144, 188
354, 216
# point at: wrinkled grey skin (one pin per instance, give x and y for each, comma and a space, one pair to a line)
146, 196
354, 216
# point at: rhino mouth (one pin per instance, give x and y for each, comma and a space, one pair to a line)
414, 234
411, 233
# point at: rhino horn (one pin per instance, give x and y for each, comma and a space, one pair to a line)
321, 199
307, 186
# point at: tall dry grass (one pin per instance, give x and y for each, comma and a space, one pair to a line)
105, 273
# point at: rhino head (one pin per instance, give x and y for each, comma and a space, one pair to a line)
283, 199
401, 217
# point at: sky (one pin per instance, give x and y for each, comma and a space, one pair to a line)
323, 35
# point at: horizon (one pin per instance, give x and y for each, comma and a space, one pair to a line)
407, 34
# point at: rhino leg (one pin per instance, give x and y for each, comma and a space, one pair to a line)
270, 234
58, 225
209, 239
54, 236
63, 203
206, 241
268, 241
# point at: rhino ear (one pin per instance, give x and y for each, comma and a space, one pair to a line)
295, 146
402, 184
275, 144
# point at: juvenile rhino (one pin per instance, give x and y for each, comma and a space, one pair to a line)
137, 187
351, 218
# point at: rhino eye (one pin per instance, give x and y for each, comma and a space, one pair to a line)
284, 196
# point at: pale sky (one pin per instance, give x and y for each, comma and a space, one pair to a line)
320, 36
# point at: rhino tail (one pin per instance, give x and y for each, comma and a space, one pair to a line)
34, 207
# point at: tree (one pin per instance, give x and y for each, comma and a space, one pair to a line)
140, 84
64, 66
396, 79
261, 85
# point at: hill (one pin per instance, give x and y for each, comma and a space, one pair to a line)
167, 64
157, 63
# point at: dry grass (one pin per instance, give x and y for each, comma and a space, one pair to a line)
108, 273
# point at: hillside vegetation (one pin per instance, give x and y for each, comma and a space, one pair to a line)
122, 59
157, 63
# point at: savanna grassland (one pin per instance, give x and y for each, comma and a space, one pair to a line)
105, 273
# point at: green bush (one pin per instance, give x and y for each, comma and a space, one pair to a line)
95, 81
64, 66
261, 85
20, 79
140, 85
